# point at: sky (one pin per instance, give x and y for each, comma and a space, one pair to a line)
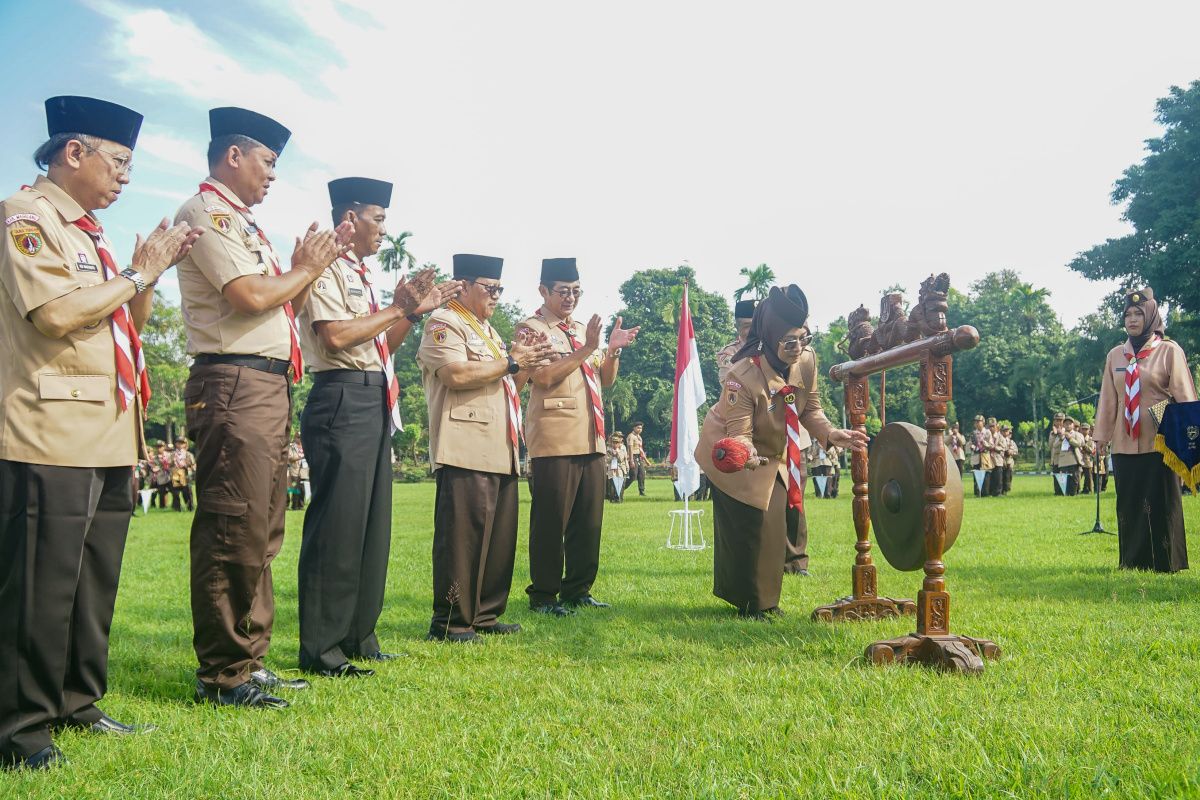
850, 146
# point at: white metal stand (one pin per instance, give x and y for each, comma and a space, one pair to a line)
689, 528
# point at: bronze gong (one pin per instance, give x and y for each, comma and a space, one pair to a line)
896, 492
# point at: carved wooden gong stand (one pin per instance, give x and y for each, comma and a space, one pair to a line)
925, 339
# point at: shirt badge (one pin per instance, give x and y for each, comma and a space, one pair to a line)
83, 265
27, 238
439, 336
734, 385
321, 286
354, 291
21, 218
221, 222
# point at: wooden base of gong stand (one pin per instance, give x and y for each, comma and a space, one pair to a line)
933, 645
864, 604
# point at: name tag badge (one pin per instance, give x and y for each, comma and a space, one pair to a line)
354, 291
1118, 369
83, 265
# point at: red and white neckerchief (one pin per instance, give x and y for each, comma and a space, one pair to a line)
1133, 385
589, 379
381, 347
795, 464
132, 376
516, 425
294, 329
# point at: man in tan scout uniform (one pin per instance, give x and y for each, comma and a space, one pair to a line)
1010, 456
566, 440
1056, 432
238, 309
471, 382
347, 426
981, 456
999, 451
1070, 455
1088, 458
74, 388
637, 458
743, 315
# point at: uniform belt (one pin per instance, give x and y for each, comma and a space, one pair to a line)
276, 366
364, 377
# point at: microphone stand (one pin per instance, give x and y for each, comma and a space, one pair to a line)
1096, 528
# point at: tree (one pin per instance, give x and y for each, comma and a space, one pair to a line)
759, 281
1162, 197
649, 365
394, 256
164, 343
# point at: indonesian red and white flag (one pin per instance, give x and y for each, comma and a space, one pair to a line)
689, 396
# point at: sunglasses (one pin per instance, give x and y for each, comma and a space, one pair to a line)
494, 291
794, 342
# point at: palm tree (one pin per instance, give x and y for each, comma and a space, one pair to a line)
394, 255
1030, 305
758, 281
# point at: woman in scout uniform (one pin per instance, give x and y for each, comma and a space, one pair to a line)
768, 392
1144, 371
618, 466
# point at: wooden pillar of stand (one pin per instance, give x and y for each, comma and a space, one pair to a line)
933, 645
864, 603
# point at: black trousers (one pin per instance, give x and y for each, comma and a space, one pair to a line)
62, 536
348, 524
1087, 481
474, 547
1150, 527
996, 486
638, 470
1072, 479
181, 491
565, 518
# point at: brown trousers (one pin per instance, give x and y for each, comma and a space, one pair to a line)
474, 547
747, 546
240, 419
565, 518
62, 537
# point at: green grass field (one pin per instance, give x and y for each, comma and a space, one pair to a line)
668, 695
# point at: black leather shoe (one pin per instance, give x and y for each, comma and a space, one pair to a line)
553, 609
381, 657
46, 758
499, 628
584, 601
345, 670
440, 634
248, 694
757, 616
108, 725
265, 679
773, 612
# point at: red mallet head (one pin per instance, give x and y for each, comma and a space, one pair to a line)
730, 455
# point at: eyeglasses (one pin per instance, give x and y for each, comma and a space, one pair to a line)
567, 294
124, 164
495, 291
794, 343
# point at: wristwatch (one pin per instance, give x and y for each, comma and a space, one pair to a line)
138, 281
415, 319
513, 366
614, 353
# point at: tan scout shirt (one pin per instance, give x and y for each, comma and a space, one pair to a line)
981, 449
468, 428
1164, 373
636, 452
725, 358
558, 420
59, 403
337, 295
749, 408
229, 249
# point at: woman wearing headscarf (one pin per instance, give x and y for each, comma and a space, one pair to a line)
770, 387
1144, 371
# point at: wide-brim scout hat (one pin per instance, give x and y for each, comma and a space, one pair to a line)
979, 418
92, 117
991, 420
1058, 417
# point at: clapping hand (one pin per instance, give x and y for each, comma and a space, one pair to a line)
620, 337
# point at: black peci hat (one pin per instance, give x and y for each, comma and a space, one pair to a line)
367, 191
467, 265
744, 309
559, 269
230, 121
86, 115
